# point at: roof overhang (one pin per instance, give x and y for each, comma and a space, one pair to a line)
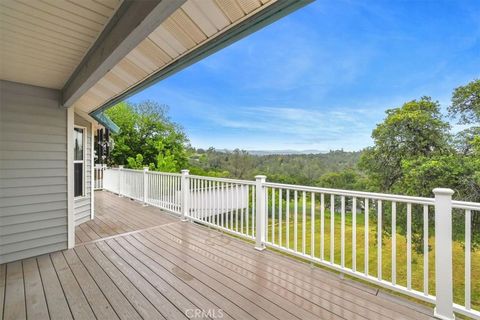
100, 52
257, 20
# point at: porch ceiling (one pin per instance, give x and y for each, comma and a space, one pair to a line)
42, 42
191, 26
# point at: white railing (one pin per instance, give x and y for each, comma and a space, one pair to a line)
98, 176
226, 204
348, 231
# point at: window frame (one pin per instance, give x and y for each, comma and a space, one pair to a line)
84, 129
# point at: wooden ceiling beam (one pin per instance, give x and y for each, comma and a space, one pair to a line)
131, 24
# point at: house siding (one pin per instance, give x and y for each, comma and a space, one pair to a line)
33, 171
82, 205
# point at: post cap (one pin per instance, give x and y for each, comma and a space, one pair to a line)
443, 192
145, 168
120, 166
185, 171
260, 177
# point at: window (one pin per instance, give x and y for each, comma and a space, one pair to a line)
79, 161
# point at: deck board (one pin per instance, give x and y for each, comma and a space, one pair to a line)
14, 293
134, 262
117, 215
34, 295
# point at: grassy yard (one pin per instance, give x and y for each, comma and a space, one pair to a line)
401, 250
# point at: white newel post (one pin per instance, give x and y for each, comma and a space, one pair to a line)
443, 254
185, 185
120, 178
145, 186
260, 212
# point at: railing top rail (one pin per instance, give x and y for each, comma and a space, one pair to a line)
359, 194
165, 173
223, 180
133, 170
475, 206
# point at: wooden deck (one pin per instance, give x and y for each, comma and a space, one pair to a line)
114, 215
179, 270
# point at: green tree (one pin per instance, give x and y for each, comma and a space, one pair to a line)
466, 103
414, 130
147, 136
347, 179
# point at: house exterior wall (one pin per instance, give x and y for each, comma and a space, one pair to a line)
83, 205
33, 171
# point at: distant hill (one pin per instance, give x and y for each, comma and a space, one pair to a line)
277, 152
284, 152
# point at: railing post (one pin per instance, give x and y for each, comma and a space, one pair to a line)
120, 178
185, 185
443, 254
145, 186
261, 215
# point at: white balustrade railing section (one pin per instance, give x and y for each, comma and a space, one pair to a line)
98, 176
226, 204
164, 191
398, 242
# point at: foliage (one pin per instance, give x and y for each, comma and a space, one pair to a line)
147, 136
348, 179
466, 103
305, 169
414, 130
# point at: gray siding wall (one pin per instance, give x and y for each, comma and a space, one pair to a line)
82, 205
33, 171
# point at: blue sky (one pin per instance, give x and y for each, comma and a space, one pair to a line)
322, 77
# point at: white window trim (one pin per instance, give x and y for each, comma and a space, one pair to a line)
84, 194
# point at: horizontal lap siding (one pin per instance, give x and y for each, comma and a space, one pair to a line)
33, 171
82, 206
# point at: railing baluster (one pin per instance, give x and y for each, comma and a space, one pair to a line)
332, 229
204, 202
242, 209
366, 257
354, 234
266, 213
273, 215
222, 204
295, 221
304, 221
236, 209
468, 259
254, 210
342, 233
287, 217
425, 250
409, 246
379, 240
312, 225
247, 217
322, 226
280, 235
394, 243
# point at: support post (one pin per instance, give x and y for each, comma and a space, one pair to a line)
261, 215
145, 186
120, 179
443, 254
185, 185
